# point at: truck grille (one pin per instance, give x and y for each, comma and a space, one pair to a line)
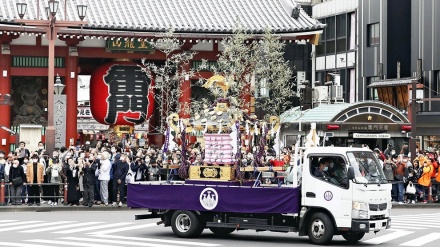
378, 207
377, 217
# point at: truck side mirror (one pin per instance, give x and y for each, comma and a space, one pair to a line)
350, 173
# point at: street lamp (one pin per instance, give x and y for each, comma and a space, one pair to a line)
58, 87
51, 26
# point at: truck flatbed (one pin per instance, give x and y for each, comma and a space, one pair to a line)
213, 197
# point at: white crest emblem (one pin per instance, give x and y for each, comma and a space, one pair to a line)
208, 198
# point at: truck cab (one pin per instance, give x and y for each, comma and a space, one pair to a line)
343, 192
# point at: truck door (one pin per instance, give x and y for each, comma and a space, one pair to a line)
327, 187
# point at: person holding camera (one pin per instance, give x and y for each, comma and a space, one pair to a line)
139, 168
88, 171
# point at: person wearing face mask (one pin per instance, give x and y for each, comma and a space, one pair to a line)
16, 171
120, 170
153, 170
139, 168
22, 152
34, 177
322, 170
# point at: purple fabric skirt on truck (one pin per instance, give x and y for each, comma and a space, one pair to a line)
216, 198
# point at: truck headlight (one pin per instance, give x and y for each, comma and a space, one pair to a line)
360, 206
360, 210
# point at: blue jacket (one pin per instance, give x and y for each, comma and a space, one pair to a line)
120, 170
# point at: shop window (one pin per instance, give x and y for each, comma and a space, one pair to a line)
373, 34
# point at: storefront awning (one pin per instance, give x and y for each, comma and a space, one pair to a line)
393, 82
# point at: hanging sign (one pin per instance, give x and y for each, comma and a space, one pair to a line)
121, 94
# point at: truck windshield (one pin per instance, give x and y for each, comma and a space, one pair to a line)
367, 168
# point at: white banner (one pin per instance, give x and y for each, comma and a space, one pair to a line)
372, 136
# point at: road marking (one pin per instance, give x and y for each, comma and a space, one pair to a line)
33, 225
47, 229
123, 229
157, 240
22, 244
64, 243
143, 242
20, 223
91, 228
423, 239
425, 224
387, 237
407, 227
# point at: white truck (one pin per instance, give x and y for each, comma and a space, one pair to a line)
350, 199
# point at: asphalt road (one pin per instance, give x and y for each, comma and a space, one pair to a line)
410, 227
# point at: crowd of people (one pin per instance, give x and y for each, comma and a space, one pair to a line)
97, 174
421, 173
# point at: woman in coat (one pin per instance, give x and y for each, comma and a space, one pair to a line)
53, 172
16, 171
72, 174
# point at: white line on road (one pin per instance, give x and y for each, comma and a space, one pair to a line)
47, 229
144, 242
33, 225
20, 223
407, 227
423, 239
387, 237
91, 228
1, 221
157, 240
124, 229
21, 244
64, 243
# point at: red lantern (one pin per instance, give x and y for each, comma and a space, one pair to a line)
121, 94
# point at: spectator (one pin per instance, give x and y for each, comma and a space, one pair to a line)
425, 178
89, 182
35, 177
140, 169
72, 174
16, 171
399, 176
120, 170
53, 172
104, 177
22, 152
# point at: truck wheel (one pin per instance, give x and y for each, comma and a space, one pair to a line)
186, 224
353, 237
320, 229
221, 231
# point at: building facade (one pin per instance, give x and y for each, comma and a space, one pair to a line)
81, 50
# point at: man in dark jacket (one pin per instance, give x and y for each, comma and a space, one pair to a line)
89, 182
120, 170
16, 171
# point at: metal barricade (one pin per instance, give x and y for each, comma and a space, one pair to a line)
4, 198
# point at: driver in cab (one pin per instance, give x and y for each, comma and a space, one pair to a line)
322, 170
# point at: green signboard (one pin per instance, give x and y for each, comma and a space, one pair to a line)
129, 46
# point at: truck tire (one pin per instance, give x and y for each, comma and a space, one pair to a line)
320, 229
353, 237
221, 231
186, 224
